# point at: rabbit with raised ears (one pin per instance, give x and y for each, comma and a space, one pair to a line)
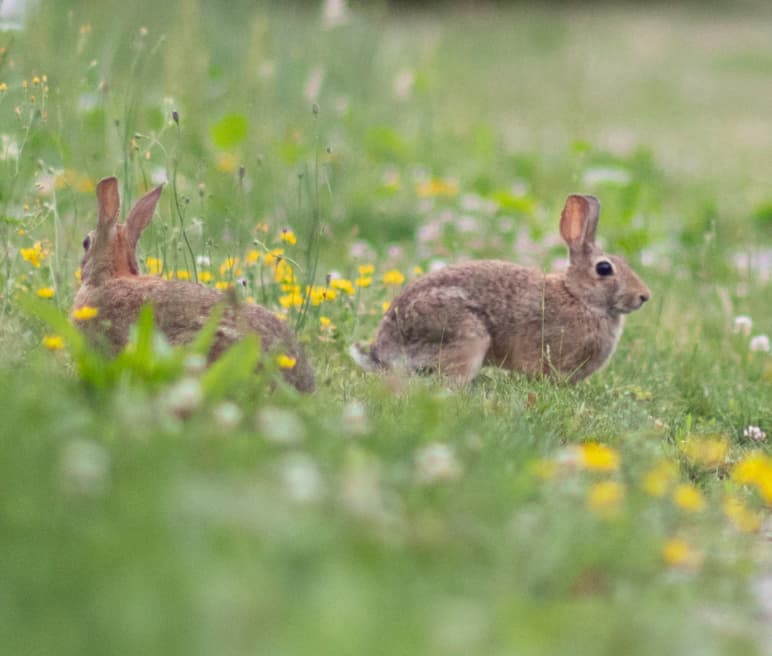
565, 325
110, 282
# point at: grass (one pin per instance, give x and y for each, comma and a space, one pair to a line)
384, 515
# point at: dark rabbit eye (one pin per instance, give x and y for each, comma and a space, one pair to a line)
604, 268
86, 242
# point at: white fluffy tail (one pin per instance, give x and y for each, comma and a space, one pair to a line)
362, 357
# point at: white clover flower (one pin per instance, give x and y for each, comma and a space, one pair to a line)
436, 462
760, 343
183, 397
227, 415
755, 433
742, 325
203, 261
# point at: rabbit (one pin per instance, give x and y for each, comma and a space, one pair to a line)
562, 325
111, 282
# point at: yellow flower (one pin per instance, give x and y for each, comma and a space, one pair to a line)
154, 265
364, 281
679, 553
343, 285
705, 451
226, 162
284, 272
288, 237
385, 306
78, 275
205, 276
183, 274
320, 294
689, 498
80, 182
393, 277
85, 313
286, 361
222, 285
34, 255
46, 292
658, 480
325, 323
417, 270
756, 470
743, 518
437, 187
53, 342
295, 299
605, 499
366, 269
272, 256
598, 457
3, 87
252, 256
544, 468
228, 264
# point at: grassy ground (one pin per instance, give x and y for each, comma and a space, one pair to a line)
622, 515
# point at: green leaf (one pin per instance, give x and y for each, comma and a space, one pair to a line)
229, 131
235, 366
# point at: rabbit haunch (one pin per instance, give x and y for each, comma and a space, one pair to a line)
488, 312
110, 282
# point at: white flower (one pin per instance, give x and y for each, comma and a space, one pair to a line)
436, 462
301, 478
183, 397
742, 325
755, 433
280, 426
760, 343
203, 261
334, 13
228, 415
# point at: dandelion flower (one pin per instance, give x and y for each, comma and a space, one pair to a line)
605, 499
437, 187
154, 266
53, 342
689, 498
325, 323
679, 553
366, 269
46, 292
385, 306
706, 451
183, 274
288, 237
222, 285
598, 457
205, 276
342, 284
286, 361
34, 255
85, 313
364, 281
393, 277
742, 518
658, 479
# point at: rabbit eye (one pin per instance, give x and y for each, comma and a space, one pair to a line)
604, 268
86, 242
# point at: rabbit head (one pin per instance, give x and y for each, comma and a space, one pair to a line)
601, 281
109, 249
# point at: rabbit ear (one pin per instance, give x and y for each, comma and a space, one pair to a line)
109, 201
579, 221
140, 215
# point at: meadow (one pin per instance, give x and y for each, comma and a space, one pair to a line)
316, 159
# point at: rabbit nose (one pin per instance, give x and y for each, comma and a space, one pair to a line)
644, 298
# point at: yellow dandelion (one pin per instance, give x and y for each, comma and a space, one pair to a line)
46, 292
228, 265
417, 270
343, 285
154, 265
679, 553
366, 269
78, 275
85, 313
385, 306
598, 457
605, 498
286, 361
226, 162
393, 277
222, 285
295, 299
205, 276
53, 342
437, 187
252, 256
272, 256
3, 87
34, 255
283, 272
742, 518
183, 274
364, 281
288, 237
756, 470
658, 480
689, 498
707, 452
325, 323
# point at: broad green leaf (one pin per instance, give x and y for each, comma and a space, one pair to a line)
229, 131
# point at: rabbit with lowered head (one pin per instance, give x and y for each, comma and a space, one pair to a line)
487, 312
110, 282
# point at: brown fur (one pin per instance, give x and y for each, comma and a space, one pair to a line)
110, 283
564, 325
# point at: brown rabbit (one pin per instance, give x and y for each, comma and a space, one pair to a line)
112, 284
565, 325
